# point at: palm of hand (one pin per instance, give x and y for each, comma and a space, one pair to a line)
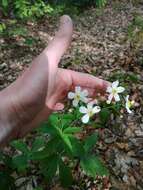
62, 83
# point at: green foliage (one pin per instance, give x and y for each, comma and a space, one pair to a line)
135, 32
6, 181
25, 9
29, 9
56, 140
101, 3
105, 115
65, 174
83, 3
122, 77
93, 166
90, 141
2, 27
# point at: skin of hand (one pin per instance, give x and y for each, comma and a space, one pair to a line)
42, 88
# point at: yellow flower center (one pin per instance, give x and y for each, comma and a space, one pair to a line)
114, 91
77, 97
130, 103
90, 113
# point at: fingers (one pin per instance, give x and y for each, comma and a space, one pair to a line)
88, 81
61, 41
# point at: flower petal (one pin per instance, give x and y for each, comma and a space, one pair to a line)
85, 118
71, 95
120, 89
127, 98
110, 97
90, 106
115, 84
83, 109
84, 93
84, 99
128, 110
78, 89
109, 89
96, 109
75, 103
116, 97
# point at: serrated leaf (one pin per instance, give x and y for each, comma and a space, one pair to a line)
68, 116
66, 120
5, 3
20, 145
46, 127
71, 130
104, 115
53, 146
66, 140
20, 162
54, 119
93, 166
90, 142
6, 181
66, 178
49, 167
77, 147
39, 155
37, 144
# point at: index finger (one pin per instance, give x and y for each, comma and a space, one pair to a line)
57, 47
89, 81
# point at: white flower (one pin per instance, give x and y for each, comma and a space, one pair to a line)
89, 111
114, 90
79, 95
129, 104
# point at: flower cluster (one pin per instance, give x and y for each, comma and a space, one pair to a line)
114, 90
90, 108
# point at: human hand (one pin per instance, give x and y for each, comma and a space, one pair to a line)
43, 87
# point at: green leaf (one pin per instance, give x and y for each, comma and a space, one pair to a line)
38, 143
18, 31
46, 127
90, 142
71, 130
104, 115
93, 166
5, 3
77, 147
20, 145
20, 162
68, 116
54, 120
53, 146
6, 181
101, 3
40, 155
30, 41
66, 178
66, 119
49, 167
133, 77
66, 140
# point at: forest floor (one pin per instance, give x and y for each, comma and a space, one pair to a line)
106, 43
